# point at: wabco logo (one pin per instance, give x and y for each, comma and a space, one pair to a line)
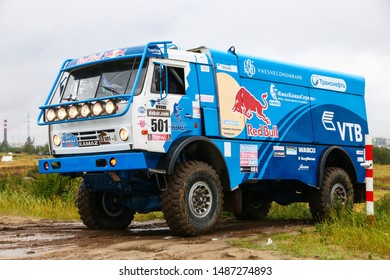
324, 82
351, 131
249, 68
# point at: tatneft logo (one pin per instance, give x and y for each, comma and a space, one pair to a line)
324, 82
249, 68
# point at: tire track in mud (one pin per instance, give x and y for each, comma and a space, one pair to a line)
28, 238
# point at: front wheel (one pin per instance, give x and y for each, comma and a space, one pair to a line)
193, 200
102, 210
336, 193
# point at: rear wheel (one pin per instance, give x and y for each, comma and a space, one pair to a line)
336, 193
193, 200
254, 206
102, 210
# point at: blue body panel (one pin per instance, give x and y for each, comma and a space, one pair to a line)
97, 163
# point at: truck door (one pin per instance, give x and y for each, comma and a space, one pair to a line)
174, 109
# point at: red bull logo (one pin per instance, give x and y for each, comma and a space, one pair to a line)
114, 53
247, 104
90, 58
102, 55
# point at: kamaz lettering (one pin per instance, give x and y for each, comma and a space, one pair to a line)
192, 133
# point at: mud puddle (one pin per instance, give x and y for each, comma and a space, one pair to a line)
26, 238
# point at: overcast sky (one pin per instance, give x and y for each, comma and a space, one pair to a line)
37, 36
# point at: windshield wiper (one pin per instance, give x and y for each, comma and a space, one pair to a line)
111, 89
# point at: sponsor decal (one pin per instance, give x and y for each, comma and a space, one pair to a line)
69, 140
102, 55
206, 98
230, 122
303, 167
307, 150
89, 143
348, 131
262, 131
158, 113
291, 151
276, 73
279, 151
205, 68
177, 112
247, 104
159, 137
249, 67
114, 53
179, 127
327, 120
306, 158
106, 138
273, 91
141, 110
227, 68
330, 83
248, 158
154, 50
142, 123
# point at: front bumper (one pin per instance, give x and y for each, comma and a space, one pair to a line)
93, 163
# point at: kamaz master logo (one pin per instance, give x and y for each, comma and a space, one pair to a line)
324, 82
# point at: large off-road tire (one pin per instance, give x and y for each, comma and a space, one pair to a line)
193, 200
254, 206
101, 210
336, 193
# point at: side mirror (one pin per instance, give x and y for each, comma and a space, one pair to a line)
162, 80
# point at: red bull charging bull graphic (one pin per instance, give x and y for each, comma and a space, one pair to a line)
248, 105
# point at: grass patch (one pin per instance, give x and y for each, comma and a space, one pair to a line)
348, 235
15, 204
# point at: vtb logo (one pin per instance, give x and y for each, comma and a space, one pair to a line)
352, 130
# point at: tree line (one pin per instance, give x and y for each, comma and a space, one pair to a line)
381, 155
28, 147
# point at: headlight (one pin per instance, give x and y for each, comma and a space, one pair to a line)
61, 113
50, 115
85, 111
123, 134
73, 111
97, 109
56, 140
110, 107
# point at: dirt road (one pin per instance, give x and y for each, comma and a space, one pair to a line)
27, 238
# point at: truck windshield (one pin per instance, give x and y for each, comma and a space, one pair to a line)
106, 79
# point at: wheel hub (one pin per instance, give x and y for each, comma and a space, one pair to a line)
111, 205
338, 194
200, 199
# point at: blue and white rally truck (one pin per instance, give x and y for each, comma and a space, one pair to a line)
192, 133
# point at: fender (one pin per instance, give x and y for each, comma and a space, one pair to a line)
335, 156
198, 148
